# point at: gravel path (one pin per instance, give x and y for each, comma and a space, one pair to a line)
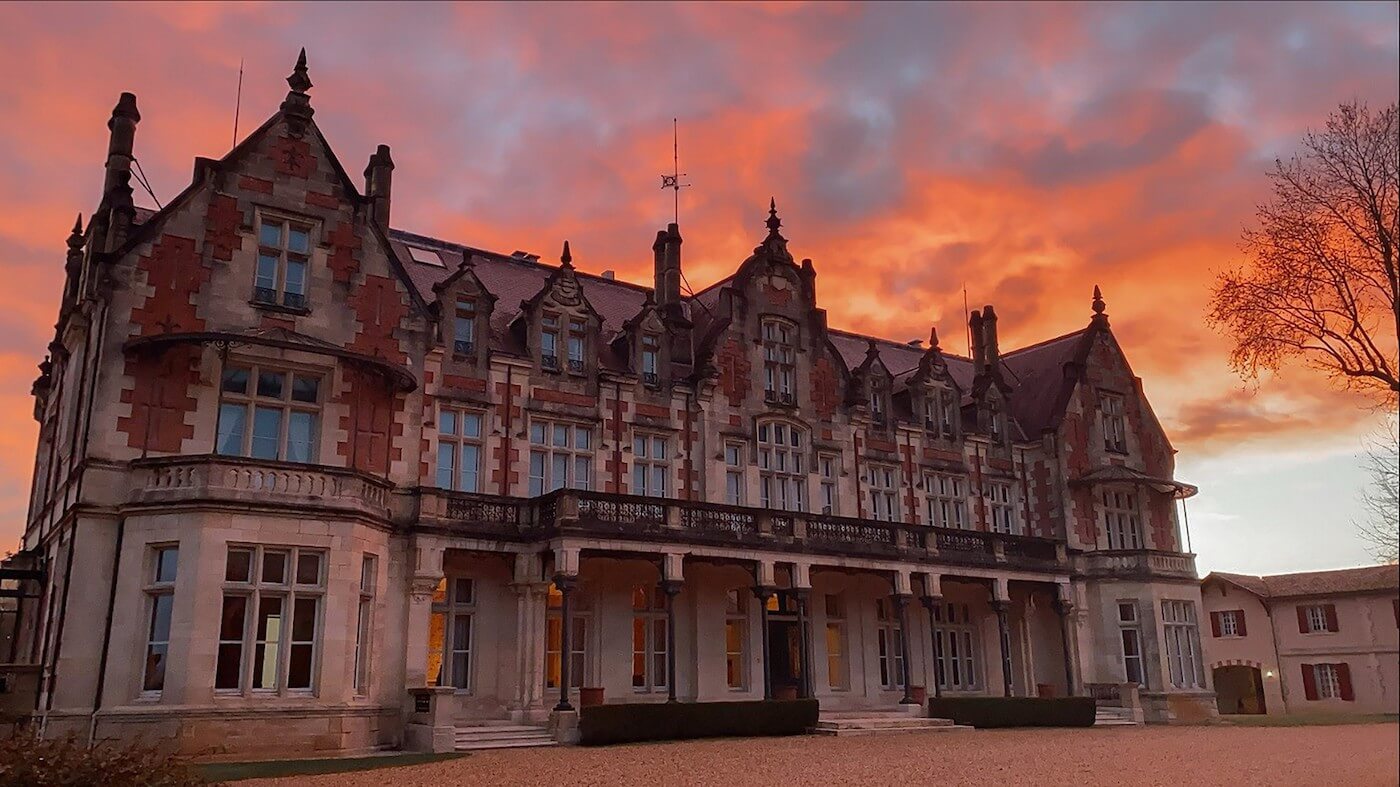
1351, 755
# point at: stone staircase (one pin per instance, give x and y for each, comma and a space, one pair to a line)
879, 722
1110, 716
480, 736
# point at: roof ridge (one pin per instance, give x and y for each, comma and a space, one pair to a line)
1044, 342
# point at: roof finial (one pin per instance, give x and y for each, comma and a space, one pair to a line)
75, 238
933, 338
299, 81
773, 221
1099, 305
566, 260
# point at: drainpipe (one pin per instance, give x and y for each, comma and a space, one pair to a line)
106, 634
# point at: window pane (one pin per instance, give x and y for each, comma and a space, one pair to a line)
301, 437
463, 591
537, 433
268, 630
235, 380
299, 666
270, 234
304, 620
240, 565
583, 472
559, 471
232, 423
161, 607
270, 384
229, 664
308, 568
274, 568
447, 452
469, 468
166, 562
267, 273
296, 279
298, 240
471, 424
156, 652
305, 389
267, 432
447, 422
582, 438
561, 436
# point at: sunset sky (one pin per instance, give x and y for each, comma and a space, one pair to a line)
1029, 152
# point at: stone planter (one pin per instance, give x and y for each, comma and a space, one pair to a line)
590, 696
920, 695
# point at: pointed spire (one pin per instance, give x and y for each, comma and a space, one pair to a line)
75, 238
1099, 305
773, 221
297, 105
566, 260
933, 339
299, 80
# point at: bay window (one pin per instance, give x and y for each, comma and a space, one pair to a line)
160, 590
1121, 521
270, 621
268, 413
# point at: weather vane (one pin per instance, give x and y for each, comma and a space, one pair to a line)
673, 180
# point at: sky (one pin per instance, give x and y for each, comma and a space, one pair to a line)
1027, 152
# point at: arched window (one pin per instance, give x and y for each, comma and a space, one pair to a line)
782, 479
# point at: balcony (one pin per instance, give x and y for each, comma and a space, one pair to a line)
1140, 564
233, 479
601, 515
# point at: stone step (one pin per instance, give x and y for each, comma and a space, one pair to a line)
501, 735
517, 744
1115, 723
881, 722
480, 736
847, 731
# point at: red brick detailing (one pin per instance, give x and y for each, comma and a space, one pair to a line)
1042, 501
615, 467
911, 505
504, 475
1159, 508
562, 397
1001, 464
379, 307
345, 243
176, 274
319, 200
653, 411
827, 434
735, 420
734, 369
977, 489
947, 456
462, 383
1084, 523
368, 421
160, 399
860, 496
881, 444
825, 393
778, 297
293, 157
268, 321
221, 222
251, 183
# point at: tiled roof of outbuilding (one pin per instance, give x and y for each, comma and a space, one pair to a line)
1315, 583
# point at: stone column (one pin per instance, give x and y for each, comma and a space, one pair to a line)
930, 602
1064, 607
672, 588
530, 591
901, 608
763, 593
1002, 607
804, 616
566, 584
423, 583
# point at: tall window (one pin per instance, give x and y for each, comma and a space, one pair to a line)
1002, 505
1131, 637
1327, 679
889, 640
782, 479
561, 455
779, 361
580, 614
734, 474
364, 622
1183, 644
947, 501
450, 633
736, 635
879, 405
835, 642
651, 465
954, 647
939, 409
884, 493
651, 359
648, 639
1114, 430
578, 341
549, 341
282, 407
284, 248
828, 466
464, 328
459, 450
1121, 520
270, 625
160, 589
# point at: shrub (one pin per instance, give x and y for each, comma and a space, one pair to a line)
29, 761
1015, 711
625, 723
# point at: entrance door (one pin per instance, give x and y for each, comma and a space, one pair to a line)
785, 657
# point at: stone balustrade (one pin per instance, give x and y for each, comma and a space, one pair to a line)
1138, 564
235, 479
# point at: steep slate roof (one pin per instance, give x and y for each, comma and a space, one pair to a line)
1315, 583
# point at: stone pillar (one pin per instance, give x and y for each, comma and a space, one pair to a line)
566, 584
1065, 609
1002, 607
672, 588
804, 617
530, 591
763, 593
901, 608
931, 600
423, 583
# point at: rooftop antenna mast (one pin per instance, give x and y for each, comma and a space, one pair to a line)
238, 102
966, 322
673, 180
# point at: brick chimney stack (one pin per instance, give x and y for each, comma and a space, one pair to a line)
990, 347
668, 269
122, 142
979, 345
379, 176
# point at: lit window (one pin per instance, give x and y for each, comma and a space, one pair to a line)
459, 450
736, 632
268, 631
1002, 505
561, 455
734, 474
884, 493
1114, 429
779, 361
464, 328
282, 408
1121, 519
450, 630
160, 589
782, 477
889, 641
827, 466
649, 641
284, 250
580, 615
651, 465
946, 500
954, 647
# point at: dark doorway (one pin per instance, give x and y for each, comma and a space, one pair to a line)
1239, 689
785, 658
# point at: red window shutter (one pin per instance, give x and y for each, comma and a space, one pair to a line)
1331, 610
1302, 619
1215, 624
1309, 681
1344, 681
1239, 623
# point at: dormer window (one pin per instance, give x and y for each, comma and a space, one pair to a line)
284, 249
878, 409
1114, 429
947, 411
549, 342
651, 359
779, 362
938, 411
464, 328
578, 340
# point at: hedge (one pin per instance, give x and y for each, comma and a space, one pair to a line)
1015, 711
626, 723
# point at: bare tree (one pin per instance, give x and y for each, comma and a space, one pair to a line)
1382, 498
1320, 283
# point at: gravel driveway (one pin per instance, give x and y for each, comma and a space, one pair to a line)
1341, 755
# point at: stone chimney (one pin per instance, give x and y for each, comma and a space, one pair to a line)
121, 143
990, 348
668, 269
979, 345
379, 175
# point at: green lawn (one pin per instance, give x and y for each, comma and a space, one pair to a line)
1308, 719
234, 771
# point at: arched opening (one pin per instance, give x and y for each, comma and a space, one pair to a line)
1239, 688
